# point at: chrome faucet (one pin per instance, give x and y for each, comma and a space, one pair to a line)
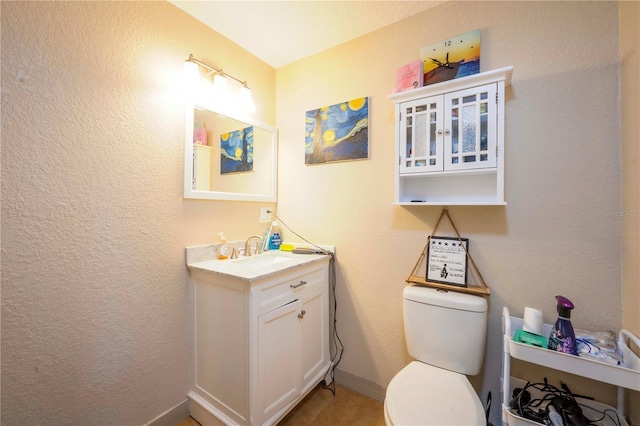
247, 245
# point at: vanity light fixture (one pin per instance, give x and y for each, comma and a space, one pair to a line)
219, 88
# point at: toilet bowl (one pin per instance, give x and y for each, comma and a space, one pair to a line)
421, 394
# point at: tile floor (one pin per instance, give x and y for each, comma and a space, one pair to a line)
322, 408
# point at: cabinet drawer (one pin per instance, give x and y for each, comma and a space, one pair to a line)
275, 293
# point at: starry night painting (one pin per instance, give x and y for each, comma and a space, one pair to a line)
236, 151
338, 132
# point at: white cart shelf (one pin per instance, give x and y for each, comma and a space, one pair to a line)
624, 377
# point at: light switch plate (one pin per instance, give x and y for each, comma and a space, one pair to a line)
265, 216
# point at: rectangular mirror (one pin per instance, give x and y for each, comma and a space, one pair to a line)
228, 158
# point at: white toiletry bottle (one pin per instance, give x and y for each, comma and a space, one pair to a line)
275, 240
266, 239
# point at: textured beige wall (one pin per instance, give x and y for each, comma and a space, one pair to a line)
630, 96
94, 296
630, 91
559, 233
94, 286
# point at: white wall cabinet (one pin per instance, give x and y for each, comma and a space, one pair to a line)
258, 346
201, 179
450, 141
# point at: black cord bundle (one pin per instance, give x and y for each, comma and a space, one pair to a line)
537, 409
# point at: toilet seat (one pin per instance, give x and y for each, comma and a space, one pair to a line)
421, 394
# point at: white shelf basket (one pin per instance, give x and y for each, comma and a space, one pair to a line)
591, 409
625, 376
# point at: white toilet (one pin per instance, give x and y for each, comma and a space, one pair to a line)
446, 332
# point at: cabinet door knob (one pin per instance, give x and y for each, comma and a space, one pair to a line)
447, 132
439, 131
300, 284
301, 314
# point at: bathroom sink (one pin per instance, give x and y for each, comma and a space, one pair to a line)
250, 267
261, 260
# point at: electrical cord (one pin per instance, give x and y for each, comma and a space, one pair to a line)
537, 409
606, 414
337, 343
296, 234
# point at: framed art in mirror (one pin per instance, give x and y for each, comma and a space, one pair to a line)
228, 157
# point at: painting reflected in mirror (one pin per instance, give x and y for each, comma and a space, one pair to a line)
228, 158
236, 151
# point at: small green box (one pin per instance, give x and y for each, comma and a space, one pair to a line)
527, 338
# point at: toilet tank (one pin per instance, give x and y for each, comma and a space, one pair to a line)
446, 329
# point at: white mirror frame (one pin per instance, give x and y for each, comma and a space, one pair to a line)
191, 193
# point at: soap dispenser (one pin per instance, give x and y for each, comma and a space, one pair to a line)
562, 337
223, 248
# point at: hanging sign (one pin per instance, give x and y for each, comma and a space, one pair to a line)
447, 260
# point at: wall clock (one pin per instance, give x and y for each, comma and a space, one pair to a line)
452, 58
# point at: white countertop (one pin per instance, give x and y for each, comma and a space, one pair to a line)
249, 268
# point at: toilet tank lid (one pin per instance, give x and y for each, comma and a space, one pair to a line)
445, 298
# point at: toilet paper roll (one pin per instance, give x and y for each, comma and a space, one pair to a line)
533, 322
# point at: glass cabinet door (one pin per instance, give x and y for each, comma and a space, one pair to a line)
421, 134
470, 129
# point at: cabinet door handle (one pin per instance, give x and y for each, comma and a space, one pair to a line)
447, 132
301, 314
439, 131
300, 284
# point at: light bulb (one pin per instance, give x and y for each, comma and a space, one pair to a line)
220, 89
190, 76
245, 102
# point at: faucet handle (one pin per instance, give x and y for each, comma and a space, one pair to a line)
247, 245
234, 253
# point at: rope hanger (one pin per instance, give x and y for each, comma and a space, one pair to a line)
415, 279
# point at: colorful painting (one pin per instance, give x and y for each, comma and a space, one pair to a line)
453, 58
236, 151
338, 132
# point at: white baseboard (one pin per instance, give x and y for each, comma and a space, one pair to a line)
203, 412
360, 385
173, 416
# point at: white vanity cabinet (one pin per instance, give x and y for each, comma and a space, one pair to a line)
258, 345
450, 141
306, 318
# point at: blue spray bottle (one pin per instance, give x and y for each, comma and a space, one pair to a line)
562, 337
275, 240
